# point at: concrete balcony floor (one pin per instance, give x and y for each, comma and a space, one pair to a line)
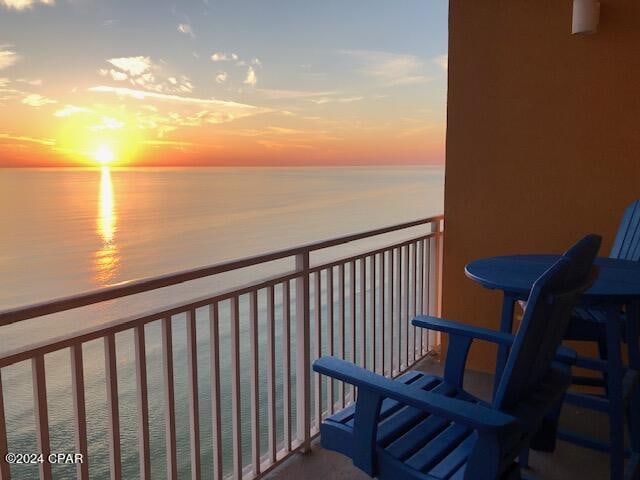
566, 463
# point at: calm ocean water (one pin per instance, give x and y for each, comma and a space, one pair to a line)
66, 231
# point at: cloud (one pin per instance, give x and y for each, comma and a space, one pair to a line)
143, 72
323, 100
132, 65
251, 78
20, 138
23, 4
186, 29
143, 94
69, 110
222, 77
222, 56
292, 94
36, 82
7, 91
7, 58
390, 68
35, 100
442, 61
108, 123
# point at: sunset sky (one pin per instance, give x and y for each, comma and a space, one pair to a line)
207, 82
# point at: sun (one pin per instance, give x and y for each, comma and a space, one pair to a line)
104, 154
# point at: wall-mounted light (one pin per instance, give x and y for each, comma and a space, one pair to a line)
586, 16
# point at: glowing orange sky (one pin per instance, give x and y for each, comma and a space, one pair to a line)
205, 84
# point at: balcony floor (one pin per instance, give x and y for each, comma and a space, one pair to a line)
567, 462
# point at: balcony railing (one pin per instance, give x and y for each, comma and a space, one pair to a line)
262, 338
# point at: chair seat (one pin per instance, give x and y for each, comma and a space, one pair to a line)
589, 323
424, 446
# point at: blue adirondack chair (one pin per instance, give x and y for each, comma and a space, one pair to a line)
588, 323
420, 426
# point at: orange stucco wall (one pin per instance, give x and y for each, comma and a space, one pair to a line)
543, 137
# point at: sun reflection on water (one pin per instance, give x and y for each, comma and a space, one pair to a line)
107, 258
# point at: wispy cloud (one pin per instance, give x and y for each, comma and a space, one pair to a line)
276, 94
36, 100
251, 78
142, 72
223, 56
143, 94
212, 110
323, 100
222, 77
390, 68
69, 110
132, 65
7, 57
23, 4
22, 138
186, 29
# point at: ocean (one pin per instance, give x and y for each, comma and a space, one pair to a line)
66, 231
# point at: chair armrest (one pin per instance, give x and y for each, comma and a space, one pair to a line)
457, 328
472, 415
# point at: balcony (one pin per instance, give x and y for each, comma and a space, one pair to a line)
220, 385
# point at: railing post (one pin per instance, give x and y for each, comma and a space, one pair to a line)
303, 362
440, 244
435, 277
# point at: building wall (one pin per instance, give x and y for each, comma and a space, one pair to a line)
543, 137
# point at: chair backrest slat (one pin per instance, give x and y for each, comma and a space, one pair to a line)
545, 321
626, 245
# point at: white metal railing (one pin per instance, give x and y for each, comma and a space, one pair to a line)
358, 307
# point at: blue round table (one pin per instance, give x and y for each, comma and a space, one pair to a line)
617, 285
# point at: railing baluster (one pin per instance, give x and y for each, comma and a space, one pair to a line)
255, 395
399, 305
392, 311
363, 313
407, 291
271, 373
372, 307
235, 388
41, 414
317, 290
143, 402
169, 402
383, 312
427, 286
286, 363
194, 415
5, 470
438, 265
420, 297
79, 410
341, 336
303, 353
112, 403
414, 311
216, 420
352, 314
330, 399
433, 306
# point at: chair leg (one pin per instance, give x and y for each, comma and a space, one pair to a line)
602, 351
544, 440
633, 418
616, 406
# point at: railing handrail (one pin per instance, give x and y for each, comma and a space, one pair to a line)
132, 287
